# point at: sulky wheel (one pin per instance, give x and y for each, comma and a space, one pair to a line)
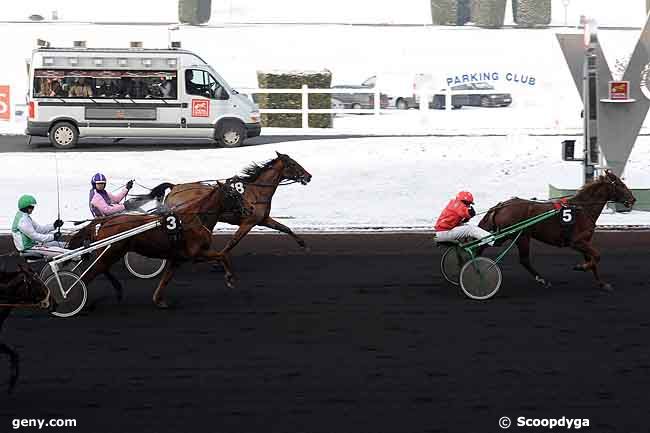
142, 266
452, 262
68, 298
46, 271
480, 278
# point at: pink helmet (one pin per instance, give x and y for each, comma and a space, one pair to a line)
465, 196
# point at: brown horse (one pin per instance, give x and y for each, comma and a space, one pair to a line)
258, 184
19, 287
196, 213
587, 204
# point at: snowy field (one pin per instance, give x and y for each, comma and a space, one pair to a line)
358, 183
399, 182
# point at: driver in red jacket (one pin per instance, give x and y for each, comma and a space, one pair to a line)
452, 223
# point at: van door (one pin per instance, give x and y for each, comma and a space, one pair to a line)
207, 101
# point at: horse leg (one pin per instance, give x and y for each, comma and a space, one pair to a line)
242, 231
593, 257
220, 256
273, 224
168, 273
14, 361
117, 286
523, 245
102, 267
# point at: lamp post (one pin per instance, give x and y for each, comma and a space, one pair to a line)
591, 100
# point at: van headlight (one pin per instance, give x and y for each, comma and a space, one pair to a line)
255, 117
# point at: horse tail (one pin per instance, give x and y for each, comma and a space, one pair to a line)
156, 193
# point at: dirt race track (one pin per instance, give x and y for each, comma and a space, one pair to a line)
361, 335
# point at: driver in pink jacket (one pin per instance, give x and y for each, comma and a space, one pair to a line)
102, 202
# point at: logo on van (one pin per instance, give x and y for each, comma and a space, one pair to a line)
200, 108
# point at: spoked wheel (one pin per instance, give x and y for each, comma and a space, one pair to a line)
70, 297
142, 266
480, 278
452, 262
70, 266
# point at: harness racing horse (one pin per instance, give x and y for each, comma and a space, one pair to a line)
588, 204
19, 287
194, 219
258, 184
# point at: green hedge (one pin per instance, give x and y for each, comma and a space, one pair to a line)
530, 13
444, 12
194, 12
294, 80
488, 13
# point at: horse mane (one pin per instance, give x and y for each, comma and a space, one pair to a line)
251, 172
587, 187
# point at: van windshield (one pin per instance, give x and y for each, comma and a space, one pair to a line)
104, 84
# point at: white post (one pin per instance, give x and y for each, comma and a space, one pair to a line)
305, 106
377, 101
424, 101
448, 99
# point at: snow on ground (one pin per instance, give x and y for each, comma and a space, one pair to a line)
358, 183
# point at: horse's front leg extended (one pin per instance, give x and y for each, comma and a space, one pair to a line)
273, 224
523, 245
242, 231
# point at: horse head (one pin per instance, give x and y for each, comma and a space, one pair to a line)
292, 170
619, 192
23, 285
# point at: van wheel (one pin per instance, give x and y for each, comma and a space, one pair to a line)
231, 133
402, 104
64, 135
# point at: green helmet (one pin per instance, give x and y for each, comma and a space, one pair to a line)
26, 201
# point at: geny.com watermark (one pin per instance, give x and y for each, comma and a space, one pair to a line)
549, 423
17, 423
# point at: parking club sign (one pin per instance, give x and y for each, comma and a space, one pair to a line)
200, 108
619, 90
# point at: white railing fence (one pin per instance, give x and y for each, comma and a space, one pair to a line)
305, 91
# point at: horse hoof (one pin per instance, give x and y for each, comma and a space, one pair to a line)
606, 287
230, 282
162, 305
580, 268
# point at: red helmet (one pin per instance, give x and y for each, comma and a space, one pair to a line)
465, 196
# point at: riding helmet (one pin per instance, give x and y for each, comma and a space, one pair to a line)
26, 201
465, 196
97, 178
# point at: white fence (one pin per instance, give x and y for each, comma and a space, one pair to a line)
305, 91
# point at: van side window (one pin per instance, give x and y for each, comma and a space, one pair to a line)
196, 83
104, 84
201, 83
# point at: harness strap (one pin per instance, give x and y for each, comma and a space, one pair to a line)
559, 204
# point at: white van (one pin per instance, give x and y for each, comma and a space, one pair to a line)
134, 92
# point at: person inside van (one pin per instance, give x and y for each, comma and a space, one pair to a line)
80, 89
57, 90
191, 86
166, 88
